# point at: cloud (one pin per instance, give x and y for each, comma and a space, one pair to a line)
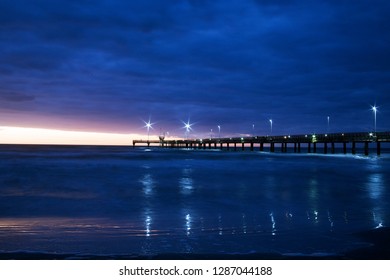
109, 63
15, 97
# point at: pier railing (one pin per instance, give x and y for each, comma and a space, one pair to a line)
311, 141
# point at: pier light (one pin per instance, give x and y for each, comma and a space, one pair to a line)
374, 110
148, 126
188, 127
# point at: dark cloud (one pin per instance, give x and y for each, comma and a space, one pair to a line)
108, 64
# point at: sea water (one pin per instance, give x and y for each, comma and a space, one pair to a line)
112, 201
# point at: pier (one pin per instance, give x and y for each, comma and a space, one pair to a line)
311, 143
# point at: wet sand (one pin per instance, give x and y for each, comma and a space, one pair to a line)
377, 248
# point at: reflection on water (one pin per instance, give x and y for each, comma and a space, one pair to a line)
273, 224
345, 216
331, 222
244, 226
188, 223
220, 228
313, 192
148, 184
186, 183
377, 220
375, 185
151, 235
213, 203
315, 216
148, 221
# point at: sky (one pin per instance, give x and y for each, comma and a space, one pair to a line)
109, 66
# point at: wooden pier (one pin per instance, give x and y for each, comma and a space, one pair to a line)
311, 143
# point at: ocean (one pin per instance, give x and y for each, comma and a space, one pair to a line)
125, 202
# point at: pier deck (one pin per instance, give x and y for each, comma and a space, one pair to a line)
309, 141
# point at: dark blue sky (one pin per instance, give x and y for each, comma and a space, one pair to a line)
105, 65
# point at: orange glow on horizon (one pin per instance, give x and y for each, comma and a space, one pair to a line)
27, 135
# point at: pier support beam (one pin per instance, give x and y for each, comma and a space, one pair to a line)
332, 148
235, 146
262, 146
242, 144
325, 148
344, 147
366, 148
299, 147
309, 147
314, 147
251, 146
227, 146
272, 147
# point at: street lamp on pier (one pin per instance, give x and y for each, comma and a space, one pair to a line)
328, 124
374, 110
148, 126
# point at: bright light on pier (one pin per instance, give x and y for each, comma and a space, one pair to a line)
188, 127
148, 126
374, 109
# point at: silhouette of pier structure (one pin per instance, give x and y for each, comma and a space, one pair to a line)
311, 143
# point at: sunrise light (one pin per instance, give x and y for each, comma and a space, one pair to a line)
26, 135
